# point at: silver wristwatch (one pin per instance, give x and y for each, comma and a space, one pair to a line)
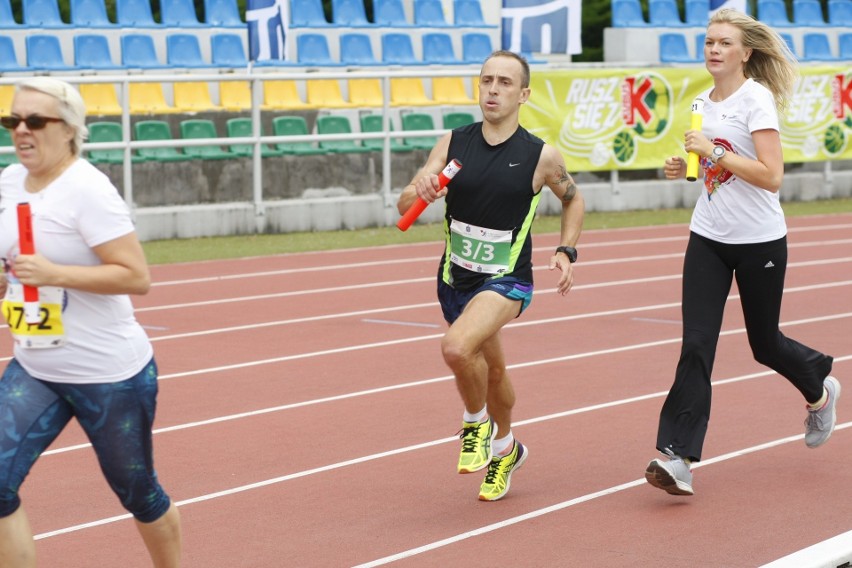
717, 154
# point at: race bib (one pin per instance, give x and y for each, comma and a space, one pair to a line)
49, 331
479, 249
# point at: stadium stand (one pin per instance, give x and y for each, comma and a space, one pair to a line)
338, 124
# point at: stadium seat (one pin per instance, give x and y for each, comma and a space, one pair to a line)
148, 98
134, 14
697, 12
138, 52
6, 94
241, 127
627, 14
373, 123
282, 95
235, 96
365, 92
6, 142
451, 91
409, 91
91, 51
844, 41
203, 129
293, 126
468, 14
42, 14
338, 124
349, 13
398, 50
325, 93
419, 121
664, 13
183, 50
429, 13
476, 47
100, 132
227, 50
100, 99
809, 13
390, 14
456, 119
7, 17
312, 50
773, 13
179, 14
357, 50
193, 96
307, 14
8, 57
150, 130
438, 49
788, 38
223, 14
840, 12
90, 14
44, 53
816, 47
673, 49
699, 46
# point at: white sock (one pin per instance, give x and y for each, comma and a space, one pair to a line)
502, 446
478, 417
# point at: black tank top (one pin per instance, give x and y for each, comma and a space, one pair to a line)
493, 191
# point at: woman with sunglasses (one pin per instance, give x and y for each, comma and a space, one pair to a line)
86, 357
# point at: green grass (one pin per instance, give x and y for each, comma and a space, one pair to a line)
213, 248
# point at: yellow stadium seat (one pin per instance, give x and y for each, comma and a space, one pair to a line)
148, 98
409, 91
235, 95
325, 93
451, 91
365, 92
193, 96
282, 95
100, 98
6, 94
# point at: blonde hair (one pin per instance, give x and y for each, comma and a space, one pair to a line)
72, 108
771, 64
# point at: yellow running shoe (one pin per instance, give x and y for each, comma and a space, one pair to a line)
500, 471
476, 445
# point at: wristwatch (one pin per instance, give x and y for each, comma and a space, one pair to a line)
570, 252
718, 153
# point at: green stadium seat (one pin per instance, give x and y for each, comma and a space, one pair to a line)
455, 119
293, 126
147, 130
6, 142
419, 121
100, 132
201, 129
373, 123
241, 128
338, 124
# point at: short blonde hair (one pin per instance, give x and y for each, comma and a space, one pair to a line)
72, 109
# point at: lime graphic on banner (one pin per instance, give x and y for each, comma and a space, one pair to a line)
835, 140
624, 147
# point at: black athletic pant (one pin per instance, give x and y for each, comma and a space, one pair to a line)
708, 270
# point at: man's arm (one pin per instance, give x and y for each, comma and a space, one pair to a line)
425, 183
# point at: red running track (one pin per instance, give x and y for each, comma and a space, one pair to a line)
306, 418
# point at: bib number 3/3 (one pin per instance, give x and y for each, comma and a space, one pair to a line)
480, 249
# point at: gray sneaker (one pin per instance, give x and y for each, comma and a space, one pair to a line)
672, 475
820, 423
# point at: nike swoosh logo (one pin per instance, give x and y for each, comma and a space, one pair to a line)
511, 165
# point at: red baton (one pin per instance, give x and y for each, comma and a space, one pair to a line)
27, 245
419, 206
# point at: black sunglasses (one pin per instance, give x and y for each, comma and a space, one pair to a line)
33, 121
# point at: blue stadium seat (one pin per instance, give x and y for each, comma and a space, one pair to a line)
134, 14
673, 49
307, 14
350, 13
138, 52
222, 14
8, 57
809, 13
844, 42
697, 12
840, 12
42, 14
788, 39
699, 46
398, 50
357, 50
438, 49
7, 17
90, 14
773, 13
227, 50
179, 14
183, 50
44, 53
627, 14
468, 13
429, 13
91, 51
312, 49
816, 48
476, 47
390, 14
664, 13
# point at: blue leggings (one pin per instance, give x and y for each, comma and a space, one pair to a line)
117, 418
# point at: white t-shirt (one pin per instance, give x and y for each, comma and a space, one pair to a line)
731, 210
79, 210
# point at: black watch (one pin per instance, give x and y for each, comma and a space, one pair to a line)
570, 252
